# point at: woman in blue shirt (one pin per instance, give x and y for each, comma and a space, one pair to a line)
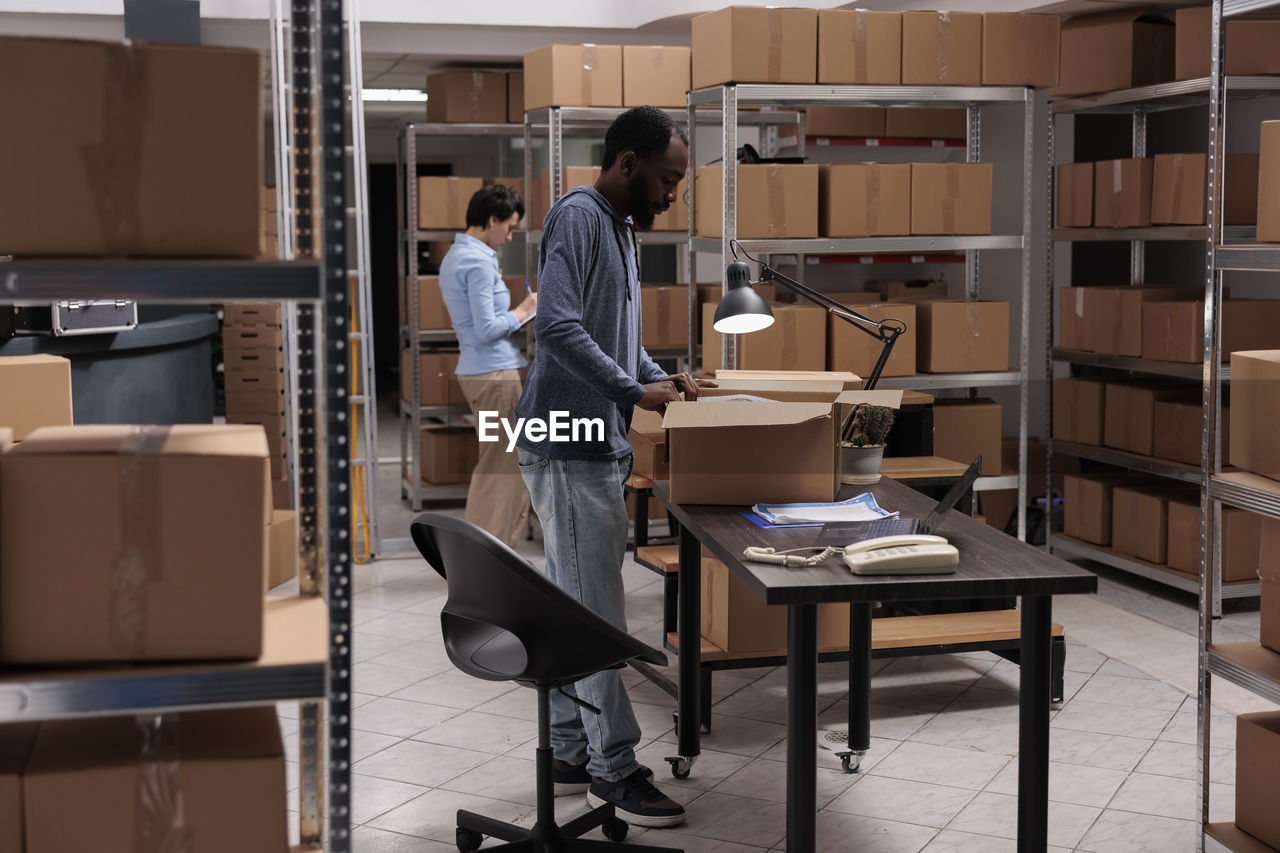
489, 361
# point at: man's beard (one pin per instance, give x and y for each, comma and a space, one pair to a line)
642, 212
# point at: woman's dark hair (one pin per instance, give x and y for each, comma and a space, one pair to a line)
494, 200
644, 130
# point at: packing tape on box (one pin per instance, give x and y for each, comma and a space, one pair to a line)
160, 822
942, 37
657, 58
775, 195
139, 562
453, 214
972, 330
873, 197
476, 94
664, 316
950, 198
775, 45
113, 165
1022, 52
1117, 184
589, 60
790, 339
860, 45
1080, 302
1178, 181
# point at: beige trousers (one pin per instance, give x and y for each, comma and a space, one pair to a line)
498, 499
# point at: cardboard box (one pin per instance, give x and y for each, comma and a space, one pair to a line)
437, 384
648, 446
1122, 193
1180, 432
782, 390
850, 348
1076, 328
432, 313
941, 49
1255, 411
775, 200
753, 44
265, 355
925, 123
1177, 189
1087, 505
1140, 520
655, 76
797, 340
1241, 532
860, 48
744, 453
1240, 189
122, 175
664, 316
1116, 315
281, 494
844, 121
864, 199
1115, 50
1075, 195
959, 336
1258, 743
963, 429
918, 289
573, 75
282, 547
1130, 417
677, 216
251, 314
141, 497
1269, 183
448, 454
1250, 44
539, 201
219, 775
1174, 330
951, 198
273, 426
442, 202
251, 393
733, 617
236, 337
1269, 631
35, 391
998, 506
16, 741
1019, 50
467, 96
1078, 410
515, 97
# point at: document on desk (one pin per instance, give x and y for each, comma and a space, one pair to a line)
736, 398
861, 508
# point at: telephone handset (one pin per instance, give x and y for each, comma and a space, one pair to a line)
902, 555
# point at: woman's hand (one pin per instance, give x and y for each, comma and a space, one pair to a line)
526, 308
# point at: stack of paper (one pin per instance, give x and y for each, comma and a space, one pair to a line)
861, 508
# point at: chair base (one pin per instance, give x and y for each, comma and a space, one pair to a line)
553, 838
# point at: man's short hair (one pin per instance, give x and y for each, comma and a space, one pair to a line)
644, 130
494, 200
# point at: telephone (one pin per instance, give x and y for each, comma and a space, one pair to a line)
901, 555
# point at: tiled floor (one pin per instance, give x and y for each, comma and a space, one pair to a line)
941, 776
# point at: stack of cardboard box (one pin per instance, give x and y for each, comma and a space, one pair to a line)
664, 315
1168, 189
602, 75
1255, 410
253, 373
270, 225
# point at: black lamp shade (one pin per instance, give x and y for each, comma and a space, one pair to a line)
742, 310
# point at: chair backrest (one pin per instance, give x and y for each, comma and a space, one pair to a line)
505, 620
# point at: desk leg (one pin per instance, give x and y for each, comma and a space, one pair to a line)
859, 686
1033, 725
640, 534
802, 727
689, 704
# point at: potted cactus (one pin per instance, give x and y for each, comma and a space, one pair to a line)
862, 444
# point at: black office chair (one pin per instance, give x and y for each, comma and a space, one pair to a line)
505, 621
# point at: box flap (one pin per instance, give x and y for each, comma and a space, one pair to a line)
177, 440
711, 414
1272, 355
28, 360
647, 423
890, 399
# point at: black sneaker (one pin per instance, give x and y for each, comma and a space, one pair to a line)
636, 800
574, 778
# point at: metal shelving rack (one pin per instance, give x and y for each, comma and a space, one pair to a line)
1250, 666
723, 104
317, 675
1138, 103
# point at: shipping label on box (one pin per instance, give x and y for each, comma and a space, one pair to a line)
925, 123
442, 201
797, 340
951, 198
1078, 410
941, 49
1075, 195
1177, 189
775, 200
960, 336
744, 453
1076, 329
754, 44
860, 48
853, 349
573, 75
35, 391
655, 76
467, 96
1019, 50
1115, 50
864, 199
1122, 193
966, 429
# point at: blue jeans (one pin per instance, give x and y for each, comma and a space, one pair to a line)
583, 513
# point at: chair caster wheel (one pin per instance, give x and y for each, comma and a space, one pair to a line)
680, 766
850, 762
468, 840
614, 829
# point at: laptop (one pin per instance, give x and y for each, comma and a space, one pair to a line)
845, 533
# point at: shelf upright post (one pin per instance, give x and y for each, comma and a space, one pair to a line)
1050, 306
690, 256
1024, 350
972, 154
729, 200
415, 338
555, 139
403, 330
1137, 248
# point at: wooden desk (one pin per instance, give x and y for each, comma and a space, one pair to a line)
992, 565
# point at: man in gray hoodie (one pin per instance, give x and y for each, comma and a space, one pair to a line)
590, 364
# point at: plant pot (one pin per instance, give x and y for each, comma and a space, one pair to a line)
860, 466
